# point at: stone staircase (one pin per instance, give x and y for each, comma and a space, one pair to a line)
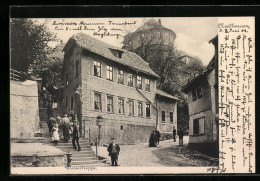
85, 157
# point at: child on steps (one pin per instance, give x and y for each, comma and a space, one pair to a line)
55, 134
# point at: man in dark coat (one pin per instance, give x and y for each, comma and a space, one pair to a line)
153, 139
174, 134
75, 135
49, 110
113, 150
180, 134
158, 136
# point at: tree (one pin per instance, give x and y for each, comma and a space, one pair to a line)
29, 44
155, 44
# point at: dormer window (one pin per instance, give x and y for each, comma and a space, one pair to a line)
117, 53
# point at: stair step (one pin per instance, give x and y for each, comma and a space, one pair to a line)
84, 162
86, 159
88, 165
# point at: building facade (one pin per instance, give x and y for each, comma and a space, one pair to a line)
118, 85
202, 94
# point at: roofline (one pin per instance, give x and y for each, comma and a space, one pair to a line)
184, 88
170, 96
72, 39
137, 70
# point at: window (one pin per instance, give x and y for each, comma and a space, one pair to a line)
110, 104
163, 116
197, 93
109, 73
97, 101
71, 103
97, 68
120, 77
171, 117
147, 84
67, 79
147, 110
194, 96
139, 82
120, 105
130, 80
77, 68
131, 107
140, 109
198, 126
120, 54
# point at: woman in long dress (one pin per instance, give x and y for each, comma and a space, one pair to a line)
55, 134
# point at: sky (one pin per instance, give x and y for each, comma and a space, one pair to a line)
192, 33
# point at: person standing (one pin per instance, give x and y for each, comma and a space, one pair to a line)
51, 123
49, 109
174, 134
75, 135
158, 136
180, 134
113, 150
66, 128
153, 139
58, 119
61, 126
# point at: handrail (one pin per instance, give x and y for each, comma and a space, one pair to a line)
15, 75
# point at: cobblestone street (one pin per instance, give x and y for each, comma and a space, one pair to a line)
168, 153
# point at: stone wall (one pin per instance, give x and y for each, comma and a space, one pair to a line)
24, 109
123, 132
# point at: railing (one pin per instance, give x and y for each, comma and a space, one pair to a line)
15, 75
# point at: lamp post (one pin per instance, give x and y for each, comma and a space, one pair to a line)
99, 124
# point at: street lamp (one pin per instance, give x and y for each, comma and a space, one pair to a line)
99, 124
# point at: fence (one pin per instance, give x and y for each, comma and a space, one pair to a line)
15, 75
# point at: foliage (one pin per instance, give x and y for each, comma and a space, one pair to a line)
32, 54
29, 43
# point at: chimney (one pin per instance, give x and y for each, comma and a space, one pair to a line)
159, 21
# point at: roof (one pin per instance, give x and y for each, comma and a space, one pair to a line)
103, 49
148, 25
164, 94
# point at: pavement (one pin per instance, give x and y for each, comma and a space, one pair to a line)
168, 153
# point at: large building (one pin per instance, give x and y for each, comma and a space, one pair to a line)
203, 106
101, 79
152, 33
